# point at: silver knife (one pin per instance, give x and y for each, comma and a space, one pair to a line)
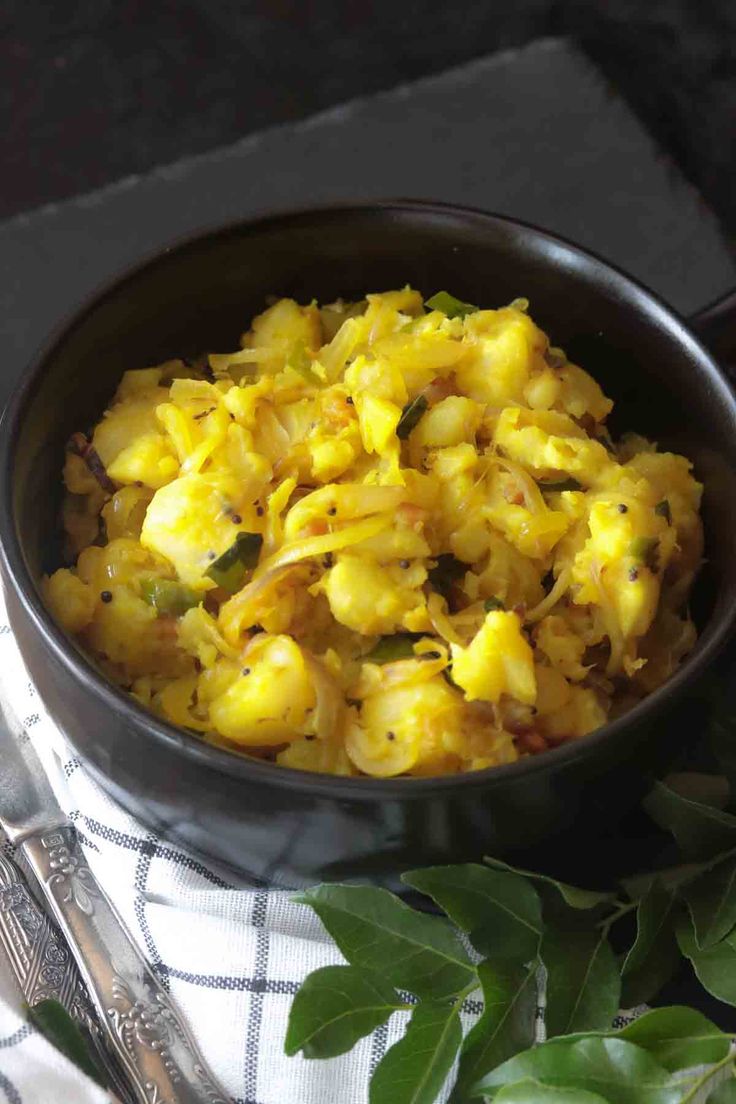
154, 1048
44, 967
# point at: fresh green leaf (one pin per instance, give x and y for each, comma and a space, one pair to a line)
229, 570
449, 305
583, 981
654, 956
571, 895
711, 898
507, 1024
615, 1069
725, 1092
533, 1092
669, 877
568, 484
500, 911
394, 646
701, 831
678, 1038
714, 967
414, 1070
493, 603
447, 571
377, 931
55, 1024
411, 416
707, 789
168, 596
336, 1006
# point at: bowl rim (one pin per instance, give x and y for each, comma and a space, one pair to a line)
221, 760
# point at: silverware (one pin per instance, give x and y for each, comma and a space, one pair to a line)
159, 1058
43, 966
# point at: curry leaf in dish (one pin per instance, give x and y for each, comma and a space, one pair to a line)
410, 416
449, 305
229, 570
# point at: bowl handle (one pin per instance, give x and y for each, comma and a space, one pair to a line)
715, 325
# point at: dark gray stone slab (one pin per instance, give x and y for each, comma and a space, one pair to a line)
533, 133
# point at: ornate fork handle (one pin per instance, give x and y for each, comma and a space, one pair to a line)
152, 1045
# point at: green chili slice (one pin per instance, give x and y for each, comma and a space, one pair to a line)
229, 570
394, 646
168, 596
410, 416
645, 550
449, 305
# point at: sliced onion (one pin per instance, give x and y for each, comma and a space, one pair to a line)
327, 542
241, 609
562, 584
330, 705
436, 607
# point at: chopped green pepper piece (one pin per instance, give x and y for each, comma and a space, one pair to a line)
663, 509
493, 604
394, 646
645, 550
449, 305
446, 572
568, 484
229, 570
410, 415
169, 596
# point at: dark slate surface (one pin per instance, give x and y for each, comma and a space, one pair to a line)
534, 133
93, 90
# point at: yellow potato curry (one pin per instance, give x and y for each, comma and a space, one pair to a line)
389, 537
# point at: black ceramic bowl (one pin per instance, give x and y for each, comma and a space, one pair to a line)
287, 825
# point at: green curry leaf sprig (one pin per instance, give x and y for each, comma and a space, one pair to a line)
530, 950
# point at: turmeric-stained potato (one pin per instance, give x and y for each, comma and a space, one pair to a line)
498, 660
269, 703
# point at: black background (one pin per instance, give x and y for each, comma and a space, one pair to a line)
93, 90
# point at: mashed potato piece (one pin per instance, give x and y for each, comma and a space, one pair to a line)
380, 538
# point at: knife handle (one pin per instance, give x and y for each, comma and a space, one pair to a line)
151, 1043
43, 966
